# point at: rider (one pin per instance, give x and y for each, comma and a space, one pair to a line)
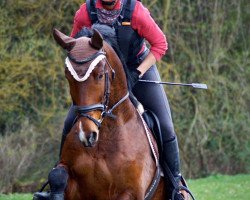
140, 61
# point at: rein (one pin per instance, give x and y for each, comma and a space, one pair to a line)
82, 111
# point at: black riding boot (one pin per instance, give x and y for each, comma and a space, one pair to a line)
49, 195
57, 179
171, 166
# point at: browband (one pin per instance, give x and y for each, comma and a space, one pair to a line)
85, 60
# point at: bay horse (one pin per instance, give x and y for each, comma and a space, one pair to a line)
107, 154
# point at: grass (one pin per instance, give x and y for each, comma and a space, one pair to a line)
16, 197
219, 187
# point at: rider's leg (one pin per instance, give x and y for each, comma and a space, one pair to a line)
58, 178
55, 186
68, 124
153, 97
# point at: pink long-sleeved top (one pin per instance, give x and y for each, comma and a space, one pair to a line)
141, 21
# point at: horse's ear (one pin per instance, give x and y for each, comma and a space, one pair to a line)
63, 40
96, 40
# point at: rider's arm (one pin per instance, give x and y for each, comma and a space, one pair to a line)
81, 20
147, 28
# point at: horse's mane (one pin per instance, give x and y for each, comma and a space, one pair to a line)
109, 35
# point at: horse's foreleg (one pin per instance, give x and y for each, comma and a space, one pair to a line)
58, 178
72, 191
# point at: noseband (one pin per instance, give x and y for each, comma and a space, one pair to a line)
82, 111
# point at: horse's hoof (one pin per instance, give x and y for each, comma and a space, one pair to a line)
41, 196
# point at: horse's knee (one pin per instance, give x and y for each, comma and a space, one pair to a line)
58, 178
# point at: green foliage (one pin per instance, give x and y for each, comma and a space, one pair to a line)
29, 155
16, 155
208, 42
31, 68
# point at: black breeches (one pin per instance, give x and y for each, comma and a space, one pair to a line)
153, 97
69, 121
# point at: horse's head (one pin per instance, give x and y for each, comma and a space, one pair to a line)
88, 73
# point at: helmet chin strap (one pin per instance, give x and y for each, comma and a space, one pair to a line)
108, 3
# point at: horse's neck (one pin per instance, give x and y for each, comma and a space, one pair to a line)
119, 89
125, 111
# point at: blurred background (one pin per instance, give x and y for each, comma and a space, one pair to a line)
208, 43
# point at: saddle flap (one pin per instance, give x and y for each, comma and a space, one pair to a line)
154, 125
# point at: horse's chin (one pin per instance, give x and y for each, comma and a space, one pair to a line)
89, 145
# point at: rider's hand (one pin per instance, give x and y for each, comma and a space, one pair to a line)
185, 195
134, 77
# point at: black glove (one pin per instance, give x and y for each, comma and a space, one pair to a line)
134, 77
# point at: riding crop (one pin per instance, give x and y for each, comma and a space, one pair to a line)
194, 85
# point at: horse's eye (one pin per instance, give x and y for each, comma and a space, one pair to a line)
100, 76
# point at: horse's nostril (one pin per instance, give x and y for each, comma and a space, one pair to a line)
92, 137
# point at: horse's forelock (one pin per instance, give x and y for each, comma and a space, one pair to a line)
82, 48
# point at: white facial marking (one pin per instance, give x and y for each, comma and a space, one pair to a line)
82, 135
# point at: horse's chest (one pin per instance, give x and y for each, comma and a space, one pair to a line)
106, 174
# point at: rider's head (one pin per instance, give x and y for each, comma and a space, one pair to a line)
109, 4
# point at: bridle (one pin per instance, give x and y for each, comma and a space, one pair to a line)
82, 111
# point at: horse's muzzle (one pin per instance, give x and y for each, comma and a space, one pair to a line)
88, 138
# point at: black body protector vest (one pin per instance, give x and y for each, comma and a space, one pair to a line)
128, 39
